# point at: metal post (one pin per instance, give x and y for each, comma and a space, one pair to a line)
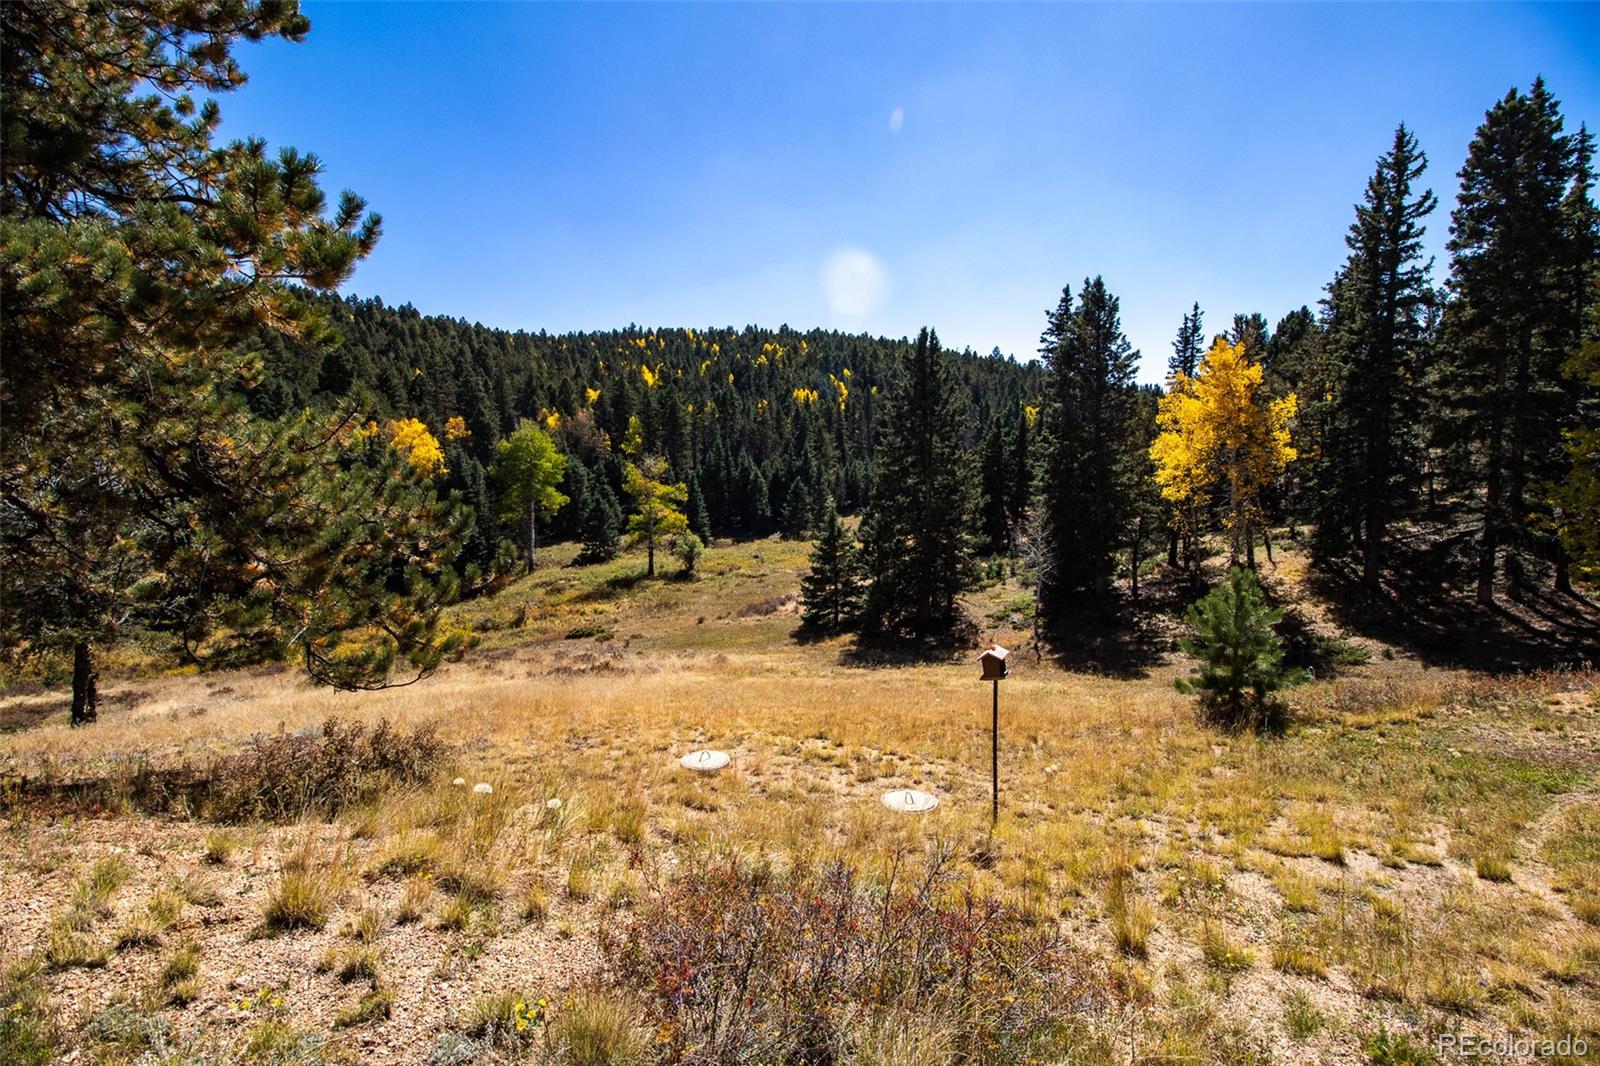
994, 757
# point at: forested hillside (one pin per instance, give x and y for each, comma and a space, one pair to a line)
766, 423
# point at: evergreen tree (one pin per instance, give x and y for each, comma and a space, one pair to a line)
699, 516
143, 262
1577, 499
1152, 515
1021, 470
1087, 459
1189, 346
917, 541
1377, 322
1240, 658
1509, 327
998, 487
830, 592
600, 525
797, 509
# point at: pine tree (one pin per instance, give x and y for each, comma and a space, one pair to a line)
1087, 476
1376, 332
1577, 498
1151, 514
140, 487
830, 592
1240, 658
1020, 497
797, 509
699, 516
1189, 345
600, 525
1509, 326
998, 486
917, 540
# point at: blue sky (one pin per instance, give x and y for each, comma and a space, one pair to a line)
887, 166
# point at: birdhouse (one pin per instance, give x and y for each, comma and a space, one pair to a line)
994, 663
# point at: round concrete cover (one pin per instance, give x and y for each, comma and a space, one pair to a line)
909, 800
706, 761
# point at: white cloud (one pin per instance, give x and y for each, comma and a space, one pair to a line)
854, 282
897, 118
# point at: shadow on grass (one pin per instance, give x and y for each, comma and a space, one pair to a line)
884, 650
1426, 606
611, 587
1122, 637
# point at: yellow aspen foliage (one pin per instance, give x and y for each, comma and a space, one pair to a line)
455, 428
841, 388
552, 421
805, 397
1030, 413
633, 439
411, 438
652, 378
591, 395
1216, 430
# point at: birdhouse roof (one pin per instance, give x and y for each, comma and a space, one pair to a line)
995, 652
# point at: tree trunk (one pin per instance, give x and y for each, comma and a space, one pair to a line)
1563, 576
85, 701
1235, 513
1371, 553
1133, 569
532, 538
1266, 538
1489, 546
1172, 549
650, 557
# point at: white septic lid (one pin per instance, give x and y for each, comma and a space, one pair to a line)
909, 800
706, 761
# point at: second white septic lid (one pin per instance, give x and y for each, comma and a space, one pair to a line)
706, 761
909, 800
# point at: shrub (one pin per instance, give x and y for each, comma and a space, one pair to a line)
742, 965
1240, 657
687, 548
284, 776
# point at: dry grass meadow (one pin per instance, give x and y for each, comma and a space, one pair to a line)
1418, 855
